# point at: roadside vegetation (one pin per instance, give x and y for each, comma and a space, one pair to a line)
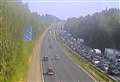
91, 69
15, 17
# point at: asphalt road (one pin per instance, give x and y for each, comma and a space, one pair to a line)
65, 69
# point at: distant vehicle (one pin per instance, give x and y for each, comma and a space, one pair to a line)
97, 51
57, 57
116, 71
50, 71
45, 58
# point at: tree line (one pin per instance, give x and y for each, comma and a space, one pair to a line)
14, 18
99, 30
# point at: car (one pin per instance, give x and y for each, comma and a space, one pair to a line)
57, 57
45, 58
50, 71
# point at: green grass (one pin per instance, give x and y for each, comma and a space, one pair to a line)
91, 69
24, 61
22, 67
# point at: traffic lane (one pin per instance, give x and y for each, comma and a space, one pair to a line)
50, 52
66, 67
66, 63
64, 70
45, 52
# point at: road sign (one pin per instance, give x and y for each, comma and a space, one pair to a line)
28, 34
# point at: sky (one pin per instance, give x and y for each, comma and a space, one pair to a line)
64, 9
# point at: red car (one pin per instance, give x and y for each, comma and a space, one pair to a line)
50, 71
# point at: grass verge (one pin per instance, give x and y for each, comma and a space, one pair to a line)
22, 66
24, 61
91, 69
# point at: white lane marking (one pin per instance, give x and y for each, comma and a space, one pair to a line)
87, 73
82, 67
41, 66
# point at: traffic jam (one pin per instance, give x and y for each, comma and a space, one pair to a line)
108, 61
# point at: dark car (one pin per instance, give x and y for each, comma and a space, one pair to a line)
45, 58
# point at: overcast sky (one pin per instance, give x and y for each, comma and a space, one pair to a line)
70, 8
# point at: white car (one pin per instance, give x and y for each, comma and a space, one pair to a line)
57, 57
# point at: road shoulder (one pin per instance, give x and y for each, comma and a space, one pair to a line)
35, 69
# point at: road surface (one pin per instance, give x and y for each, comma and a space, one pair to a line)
65, 69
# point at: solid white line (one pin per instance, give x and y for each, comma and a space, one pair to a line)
42, 75
83, 69
87, 73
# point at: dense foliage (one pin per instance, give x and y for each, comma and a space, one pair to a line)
14, 18
100, 30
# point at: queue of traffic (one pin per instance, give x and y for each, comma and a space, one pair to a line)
108, 61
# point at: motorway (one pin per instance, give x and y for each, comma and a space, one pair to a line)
65, 69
